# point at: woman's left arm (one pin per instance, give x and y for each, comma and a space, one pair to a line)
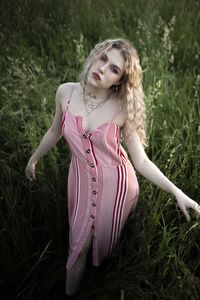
149, 170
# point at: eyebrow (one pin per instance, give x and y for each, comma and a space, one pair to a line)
113, 64
117, 67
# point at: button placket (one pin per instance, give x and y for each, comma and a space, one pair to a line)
93, 174
94, 190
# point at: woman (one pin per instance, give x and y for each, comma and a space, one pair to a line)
102, 186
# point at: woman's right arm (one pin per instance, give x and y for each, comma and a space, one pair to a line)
51, 137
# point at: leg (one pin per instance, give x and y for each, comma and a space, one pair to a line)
74, 275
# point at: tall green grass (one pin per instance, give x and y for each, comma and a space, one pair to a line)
44, 43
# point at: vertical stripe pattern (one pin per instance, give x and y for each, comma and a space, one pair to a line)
118, 208
102, 188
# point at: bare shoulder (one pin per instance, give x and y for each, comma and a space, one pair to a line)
65, 89
64, 92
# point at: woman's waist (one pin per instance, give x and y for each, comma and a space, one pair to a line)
95, 161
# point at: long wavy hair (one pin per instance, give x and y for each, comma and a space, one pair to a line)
130, 89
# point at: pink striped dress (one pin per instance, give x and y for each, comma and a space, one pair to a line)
102, 188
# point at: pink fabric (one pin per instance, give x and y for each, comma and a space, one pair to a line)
102, 188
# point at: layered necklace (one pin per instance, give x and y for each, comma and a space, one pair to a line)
89, 101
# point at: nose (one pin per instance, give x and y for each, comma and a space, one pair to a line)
102, 68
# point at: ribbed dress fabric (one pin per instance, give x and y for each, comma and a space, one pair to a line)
102, 187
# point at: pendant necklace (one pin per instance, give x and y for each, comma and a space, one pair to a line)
90, 106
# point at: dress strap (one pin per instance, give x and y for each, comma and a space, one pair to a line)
69, 98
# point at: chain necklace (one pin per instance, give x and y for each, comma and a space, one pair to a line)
90, 106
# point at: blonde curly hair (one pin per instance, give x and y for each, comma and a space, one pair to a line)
130, 89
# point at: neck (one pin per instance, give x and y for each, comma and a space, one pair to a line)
96, 93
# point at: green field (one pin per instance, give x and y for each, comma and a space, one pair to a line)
44, 43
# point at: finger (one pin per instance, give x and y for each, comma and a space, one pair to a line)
27, 173
186, 214
197, 209
28, 176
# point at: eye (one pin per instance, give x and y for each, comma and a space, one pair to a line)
114, 70
103, 57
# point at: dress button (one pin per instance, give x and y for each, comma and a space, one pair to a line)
92, 216
93, 226
88, 150
93, 204
93, 179
94, 192
92, 165
84, 136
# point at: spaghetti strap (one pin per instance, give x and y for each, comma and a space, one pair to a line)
69, 98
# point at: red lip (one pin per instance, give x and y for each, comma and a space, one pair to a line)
96, 76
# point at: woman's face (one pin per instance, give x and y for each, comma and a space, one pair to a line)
107, 69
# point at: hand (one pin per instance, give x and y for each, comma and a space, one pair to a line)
30, 170
184, 202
